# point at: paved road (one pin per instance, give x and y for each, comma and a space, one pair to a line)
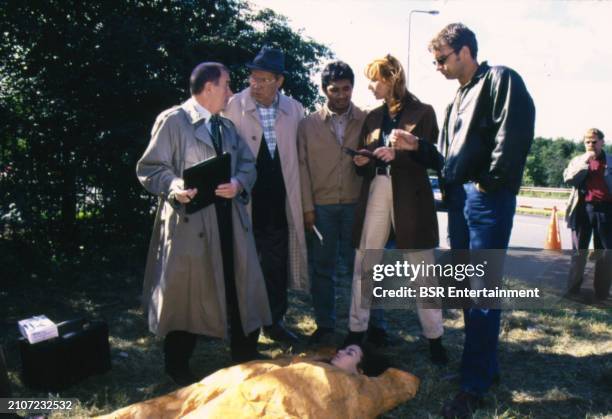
528, 231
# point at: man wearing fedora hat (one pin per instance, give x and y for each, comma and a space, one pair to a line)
268, 122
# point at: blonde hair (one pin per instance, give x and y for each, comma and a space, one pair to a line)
594, 132
389, 70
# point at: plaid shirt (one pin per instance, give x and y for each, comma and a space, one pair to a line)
339, 122
267, 115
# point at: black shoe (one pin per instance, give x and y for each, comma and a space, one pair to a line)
322, 336
181, 376
380, 338
178, 347
437, 353
354, 338
462, 406
277, 332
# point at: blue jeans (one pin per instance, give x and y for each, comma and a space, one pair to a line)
333, 260
478, 220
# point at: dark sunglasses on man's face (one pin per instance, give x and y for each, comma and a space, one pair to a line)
441, 60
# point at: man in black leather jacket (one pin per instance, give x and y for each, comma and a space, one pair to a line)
485, 139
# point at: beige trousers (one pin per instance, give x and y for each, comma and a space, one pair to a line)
376, 228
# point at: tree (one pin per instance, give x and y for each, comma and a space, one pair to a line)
80, 85
547, 160
534, 174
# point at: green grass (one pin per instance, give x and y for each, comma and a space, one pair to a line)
555, 364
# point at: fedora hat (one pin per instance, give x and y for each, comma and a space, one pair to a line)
269, 59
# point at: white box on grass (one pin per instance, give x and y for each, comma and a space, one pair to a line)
37, 328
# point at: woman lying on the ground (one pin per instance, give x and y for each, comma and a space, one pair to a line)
288, 388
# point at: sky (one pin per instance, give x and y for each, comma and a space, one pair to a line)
560, 48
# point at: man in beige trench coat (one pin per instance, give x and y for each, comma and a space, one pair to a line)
202, 275
268, 122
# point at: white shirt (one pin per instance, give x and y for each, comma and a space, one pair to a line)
204, 113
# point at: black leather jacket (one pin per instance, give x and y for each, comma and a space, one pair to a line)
492, 130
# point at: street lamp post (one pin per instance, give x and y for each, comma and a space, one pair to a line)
429, 12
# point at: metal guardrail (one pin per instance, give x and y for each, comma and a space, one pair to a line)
545, 190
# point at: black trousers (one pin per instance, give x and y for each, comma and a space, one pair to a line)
272, 242
241, 345
596, 220
178, 344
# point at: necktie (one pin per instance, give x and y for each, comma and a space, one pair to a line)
215, 132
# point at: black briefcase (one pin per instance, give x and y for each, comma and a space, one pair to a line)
80, 350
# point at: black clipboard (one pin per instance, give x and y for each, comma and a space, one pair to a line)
206, 176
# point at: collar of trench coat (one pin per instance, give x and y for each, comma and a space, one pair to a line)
196, 118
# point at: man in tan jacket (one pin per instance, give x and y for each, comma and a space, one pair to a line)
330, 190
267, 120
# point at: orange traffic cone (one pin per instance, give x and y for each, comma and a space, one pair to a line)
553, 237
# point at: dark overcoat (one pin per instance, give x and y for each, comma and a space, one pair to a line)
416, 224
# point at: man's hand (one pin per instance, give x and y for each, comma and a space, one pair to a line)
403, 140
184, 196
361, 160
386, 154
309, 220
590, 155
228, 190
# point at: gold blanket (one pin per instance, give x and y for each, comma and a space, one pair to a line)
281, 389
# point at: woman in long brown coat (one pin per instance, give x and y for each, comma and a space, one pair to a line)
396, 192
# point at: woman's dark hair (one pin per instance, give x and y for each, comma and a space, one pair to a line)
372, 362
